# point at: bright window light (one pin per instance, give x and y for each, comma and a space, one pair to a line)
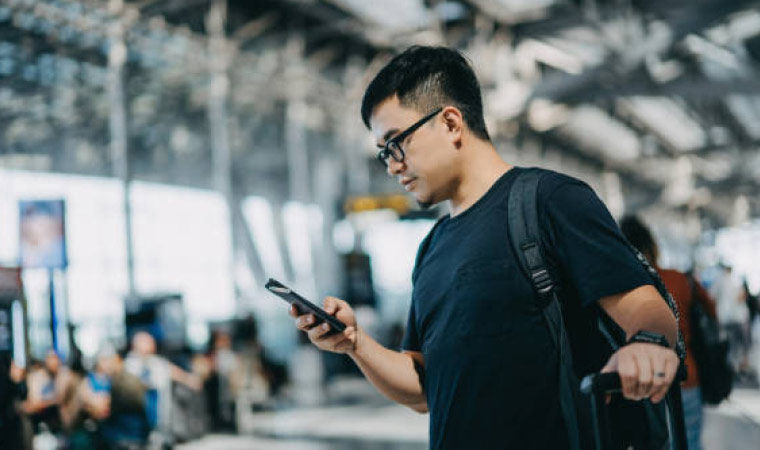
258, 215
182, 244
298, 239
96, 243
392, 247
739, 247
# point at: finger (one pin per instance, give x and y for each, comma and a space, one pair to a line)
331, 305
645, 377
334, 341
293, 311
671, 367
628, 376
305, 322
317, 333
659, 377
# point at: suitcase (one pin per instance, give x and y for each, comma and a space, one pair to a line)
597, 386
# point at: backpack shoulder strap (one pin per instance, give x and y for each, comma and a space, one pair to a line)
525, 237
525, 232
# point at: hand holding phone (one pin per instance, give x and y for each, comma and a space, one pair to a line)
305, 307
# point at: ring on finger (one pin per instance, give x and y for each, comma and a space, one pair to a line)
660, 374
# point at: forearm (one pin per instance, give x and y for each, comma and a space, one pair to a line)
655, 317
392, 373
642, 309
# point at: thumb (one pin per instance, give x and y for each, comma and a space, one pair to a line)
611, 365
330, 305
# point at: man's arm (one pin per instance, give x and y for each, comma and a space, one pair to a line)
392, 373
646, 370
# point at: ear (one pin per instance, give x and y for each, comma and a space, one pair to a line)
454, 123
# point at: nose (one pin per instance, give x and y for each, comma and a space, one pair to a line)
394, 167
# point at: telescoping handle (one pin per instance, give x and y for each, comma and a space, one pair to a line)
600, 384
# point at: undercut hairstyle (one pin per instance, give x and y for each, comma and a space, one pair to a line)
426, 78
640, 237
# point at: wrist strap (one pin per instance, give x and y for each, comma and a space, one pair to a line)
649, 337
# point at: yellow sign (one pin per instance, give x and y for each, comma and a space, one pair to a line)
361, 203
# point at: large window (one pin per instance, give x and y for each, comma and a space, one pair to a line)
181, 244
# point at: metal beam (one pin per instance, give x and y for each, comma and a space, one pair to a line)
576, 90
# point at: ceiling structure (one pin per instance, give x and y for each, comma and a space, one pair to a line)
657, 101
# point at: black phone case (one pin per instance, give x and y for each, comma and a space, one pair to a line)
304, 306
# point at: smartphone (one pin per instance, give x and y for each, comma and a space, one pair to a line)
304, 306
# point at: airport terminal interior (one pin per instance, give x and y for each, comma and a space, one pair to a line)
160, 160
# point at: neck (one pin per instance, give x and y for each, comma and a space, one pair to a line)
481, 168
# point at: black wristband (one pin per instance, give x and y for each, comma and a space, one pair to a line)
648, 337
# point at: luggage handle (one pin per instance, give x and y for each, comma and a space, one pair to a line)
600, 384
609, 383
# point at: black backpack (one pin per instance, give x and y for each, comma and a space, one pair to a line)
710, 353
637, 424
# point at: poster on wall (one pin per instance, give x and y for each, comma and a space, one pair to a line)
42, 237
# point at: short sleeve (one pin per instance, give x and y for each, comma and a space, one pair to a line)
590, 251
411, 340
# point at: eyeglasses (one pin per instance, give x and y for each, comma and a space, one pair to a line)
392, 147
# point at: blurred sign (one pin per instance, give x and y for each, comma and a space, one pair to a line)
42, 234
361, 203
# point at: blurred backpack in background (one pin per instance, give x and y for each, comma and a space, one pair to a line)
710, 353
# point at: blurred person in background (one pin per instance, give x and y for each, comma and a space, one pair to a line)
115, 400
733, 315
222, 382
259, 379
477, 353
70, 402
157, 373
680, 287
46, 385
12, 393
753, 307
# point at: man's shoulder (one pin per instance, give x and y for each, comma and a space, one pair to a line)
552, 181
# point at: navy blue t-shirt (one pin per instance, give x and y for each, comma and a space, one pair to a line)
490, 366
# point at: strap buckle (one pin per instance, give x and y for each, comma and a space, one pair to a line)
539, 275
543, 284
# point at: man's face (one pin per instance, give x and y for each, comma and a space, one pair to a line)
428, 169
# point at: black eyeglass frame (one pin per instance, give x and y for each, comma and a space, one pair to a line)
392, 147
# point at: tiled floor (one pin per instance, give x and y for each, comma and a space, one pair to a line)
734, 425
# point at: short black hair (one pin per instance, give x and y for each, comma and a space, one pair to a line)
425, 78
639, 236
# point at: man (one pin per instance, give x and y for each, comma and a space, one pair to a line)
733, 315
12, 392
685, 293
476, 353
157, 373
46, 385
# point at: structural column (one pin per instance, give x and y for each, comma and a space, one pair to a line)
117, 56
220, 54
